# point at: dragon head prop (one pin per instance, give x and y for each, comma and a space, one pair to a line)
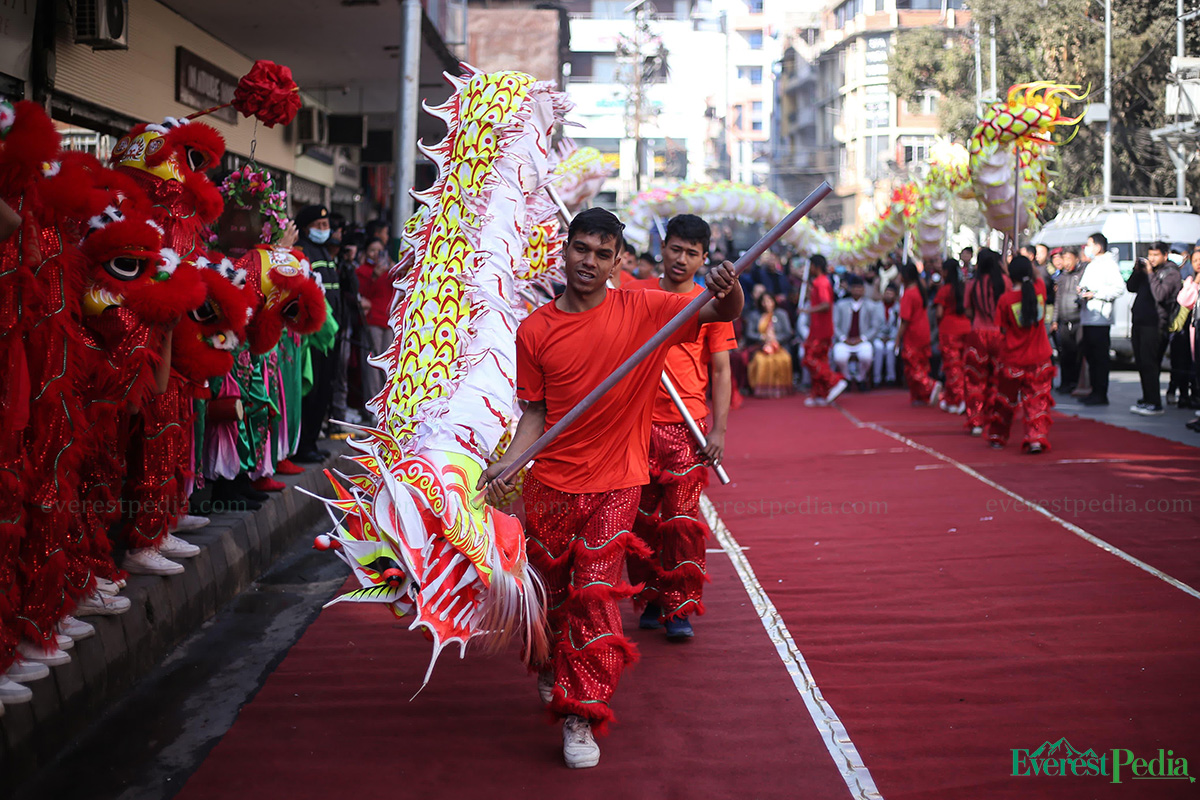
208, 334
287, 293
176, 152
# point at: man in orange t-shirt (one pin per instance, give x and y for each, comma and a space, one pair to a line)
582, 493
674, 575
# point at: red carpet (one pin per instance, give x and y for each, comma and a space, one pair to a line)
716, 717
945, 629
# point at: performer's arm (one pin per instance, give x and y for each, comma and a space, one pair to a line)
10, 221
722, 389
727, 303
531, 426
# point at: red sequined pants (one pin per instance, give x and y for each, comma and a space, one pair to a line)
981, 357
816, 361
952, 366
158, 465
916, 371
577, 543
669, 523
1028, 387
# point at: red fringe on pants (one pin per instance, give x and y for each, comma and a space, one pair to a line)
916, 371
578, 544
675, 571
981, 359
1030, 386
952, 366
158, 464
816, 361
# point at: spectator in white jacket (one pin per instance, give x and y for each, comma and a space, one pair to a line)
857, 322
1099, 287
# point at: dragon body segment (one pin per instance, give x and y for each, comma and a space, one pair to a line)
412, 526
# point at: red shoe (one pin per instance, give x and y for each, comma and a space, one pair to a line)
286, 467
268, 484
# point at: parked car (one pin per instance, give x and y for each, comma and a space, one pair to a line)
1131, 225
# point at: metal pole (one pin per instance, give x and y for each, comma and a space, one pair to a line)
1181, 164
697, 434
655, 341
995, 94
1108, 101
1016, 233
728, 97
978, 75
408, 101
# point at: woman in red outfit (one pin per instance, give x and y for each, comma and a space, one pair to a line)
953, 326
914, 339
981, 347
1026, 372
375, 291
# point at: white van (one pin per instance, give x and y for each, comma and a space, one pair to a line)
1131, 225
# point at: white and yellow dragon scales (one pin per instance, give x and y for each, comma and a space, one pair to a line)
411, 526
1018, 127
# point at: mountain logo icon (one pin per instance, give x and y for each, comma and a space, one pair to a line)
1061, 749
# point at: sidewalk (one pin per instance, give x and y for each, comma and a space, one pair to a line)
1124, 390
235, 549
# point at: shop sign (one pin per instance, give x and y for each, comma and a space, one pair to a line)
202, 85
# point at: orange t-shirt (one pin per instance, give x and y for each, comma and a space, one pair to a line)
561, 357
687, 363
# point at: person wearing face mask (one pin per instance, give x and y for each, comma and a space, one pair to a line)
313, 224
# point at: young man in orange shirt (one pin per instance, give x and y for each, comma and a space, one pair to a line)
582, 492
674, 575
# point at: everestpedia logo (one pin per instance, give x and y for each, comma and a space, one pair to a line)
1060, 758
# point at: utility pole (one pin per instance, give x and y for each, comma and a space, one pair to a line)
407, 102
1108, 101
1181, 162
995, 95
978, 74
643, 61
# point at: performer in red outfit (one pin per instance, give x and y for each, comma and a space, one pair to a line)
581, 495
1026, 373
914, 338
826, 384
953, 326
675, 573
981, 347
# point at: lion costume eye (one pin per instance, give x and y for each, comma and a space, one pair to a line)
205, 314
291, 310
124, 268
197, 161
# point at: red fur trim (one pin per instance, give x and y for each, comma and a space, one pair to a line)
76, 191
689, 529
600, 593
30, 142
163, 302
599, 714
698, 475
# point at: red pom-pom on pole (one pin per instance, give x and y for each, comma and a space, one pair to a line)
268, 93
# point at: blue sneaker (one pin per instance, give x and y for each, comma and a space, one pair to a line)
678, 628
649, 620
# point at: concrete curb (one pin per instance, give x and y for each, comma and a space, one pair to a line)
236, 548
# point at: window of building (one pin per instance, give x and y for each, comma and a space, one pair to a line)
754, 6
927, 5
756, 125
757, 107
752, 74
608, 9
847, 11
879, 151
926, 103
916, 148
594, 67
754, 39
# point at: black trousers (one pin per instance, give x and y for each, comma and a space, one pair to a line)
1182, 368
314, 409
1097, 339
1068, 337
1147, 357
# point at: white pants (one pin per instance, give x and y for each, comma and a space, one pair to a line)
885, 354
842, 353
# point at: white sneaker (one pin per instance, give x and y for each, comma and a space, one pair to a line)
102, 605
837, 389
23, 671
815, 402
580, 750
29, 651
189, 522
64, 642
545, 684
75, 628
959, 409
148, 561
943, 405
12, 692
173, 547
105, 586
977, 431
936, 393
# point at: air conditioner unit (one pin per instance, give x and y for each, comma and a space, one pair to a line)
104, 24
312, 127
